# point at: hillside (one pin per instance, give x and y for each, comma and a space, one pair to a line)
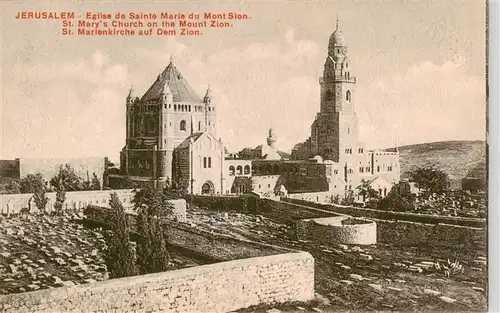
456, 158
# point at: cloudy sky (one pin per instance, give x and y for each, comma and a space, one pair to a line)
420, 68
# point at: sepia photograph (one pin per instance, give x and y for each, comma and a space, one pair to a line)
244, 156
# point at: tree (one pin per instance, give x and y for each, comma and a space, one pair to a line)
119, 254
95, 184
430, 180
152, 207
367, 192
67, 178
399, 198
173, 190
34, 183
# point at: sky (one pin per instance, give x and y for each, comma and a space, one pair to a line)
420, 69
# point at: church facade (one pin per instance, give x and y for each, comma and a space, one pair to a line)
159, 122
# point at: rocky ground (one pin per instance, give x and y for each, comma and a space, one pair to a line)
41, 251
50, 251
377, 277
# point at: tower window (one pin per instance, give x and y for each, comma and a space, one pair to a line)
209, 162
199, 126
204, 162
183, 125
348, 95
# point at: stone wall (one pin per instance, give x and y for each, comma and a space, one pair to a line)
220, 287
467, 240
440, 233
392, 215
77, 200
331, 230
283, 212
216, 247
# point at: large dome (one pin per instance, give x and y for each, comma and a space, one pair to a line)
337, 38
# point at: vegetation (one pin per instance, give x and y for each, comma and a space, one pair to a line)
11, 186
152, 206
370, 196
34, 183
95, 184
449, 268
119, 254
348, 198
67, 179
399, 198
430, 180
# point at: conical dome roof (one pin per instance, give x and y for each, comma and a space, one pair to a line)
179, 87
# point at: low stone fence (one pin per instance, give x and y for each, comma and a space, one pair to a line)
280, 211
220, 287
216, 247
13, 203
77, 200
439, 233
392, 215
338, 230
466, 240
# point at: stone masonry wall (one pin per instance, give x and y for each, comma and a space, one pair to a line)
392, 215
77, 200
220, 287
283, 212
217, 247
323, 231
436, 233
467, 240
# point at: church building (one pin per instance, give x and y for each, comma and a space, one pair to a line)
170, 123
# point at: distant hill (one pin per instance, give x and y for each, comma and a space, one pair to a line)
456, 158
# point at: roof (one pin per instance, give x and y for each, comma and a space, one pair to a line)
186, 141
181, 90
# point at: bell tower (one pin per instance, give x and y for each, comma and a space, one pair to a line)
336, 124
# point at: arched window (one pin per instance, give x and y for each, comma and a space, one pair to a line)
239, 170
199, 126
183, 125
209, 162
378, 168
247, 169
348, 95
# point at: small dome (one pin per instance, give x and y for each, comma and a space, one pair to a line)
317, 158
337, 38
